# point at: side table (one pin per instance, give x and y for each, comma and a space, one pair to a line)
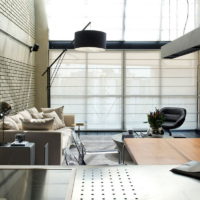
17, 155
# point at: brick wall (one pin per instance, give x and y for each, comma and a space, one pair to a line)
17, 68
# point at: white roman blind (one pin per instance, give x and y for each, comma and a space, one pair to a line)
154, 83
179, 86
104, 90
69, 85
142, 91
114, 90
89, 86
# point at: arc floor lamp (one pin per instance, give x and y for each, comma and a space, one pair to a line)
85, 40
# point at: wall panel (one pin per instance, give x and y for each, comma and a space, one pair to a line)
17, 64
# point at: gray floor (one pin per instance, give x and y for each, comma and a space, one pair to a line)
103, 141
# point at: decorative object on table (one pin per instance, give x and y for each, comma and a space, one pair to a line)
130, 132
5, 108
155, 120
19, 140
20, 137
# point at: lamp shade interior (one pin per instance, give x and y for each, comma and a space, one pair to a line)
90, 41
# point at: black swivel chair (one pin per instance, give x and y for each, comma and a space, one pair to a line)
173, 118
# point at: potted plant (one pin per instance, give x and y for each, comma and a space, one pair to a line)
155, 120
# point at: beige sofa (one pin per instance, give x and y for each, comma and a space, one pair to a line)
57, 141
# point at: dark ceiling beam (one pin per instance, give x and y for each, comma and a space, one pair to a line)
61, 44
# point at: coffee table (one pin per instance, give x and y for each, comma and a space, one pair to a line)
136, 134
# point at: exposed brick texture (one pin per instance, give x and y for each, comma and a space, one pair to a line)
21, 13
17, 70
17, 83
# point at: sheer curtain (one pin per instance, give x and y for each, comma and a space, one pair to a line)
152, 83
116, 89
89, 86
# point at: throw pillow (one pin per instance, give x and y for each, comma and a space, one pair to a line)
34, 113
9, 124
18, 120
38, 124
25, 114
59, 112
57, 122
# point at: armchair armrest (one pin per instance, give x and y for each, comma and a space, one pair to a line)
69, 120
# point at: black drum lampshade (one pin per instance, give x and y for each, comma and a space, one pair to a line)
90, 41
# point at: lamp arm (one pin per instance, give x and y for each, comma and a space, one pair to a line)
86, 26
49, 67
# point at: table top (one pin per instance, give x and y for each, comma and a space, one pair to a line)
26, 144
36, 183
148, 182
163, 151
118, 137
142, 182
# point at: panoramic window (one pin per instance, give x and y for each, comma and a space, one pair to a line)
128, 20
115, 89
107, 93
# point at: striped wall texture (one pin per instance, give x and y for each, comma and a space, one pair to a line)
17, 69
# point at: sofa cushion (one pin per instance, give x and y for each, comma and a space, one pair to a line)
18, 120
34, 113
38, 124
59, 112
9, 124
25, 115
67, 137
57, 121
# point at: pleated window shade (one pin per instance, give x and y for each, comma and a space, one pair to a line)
116, 89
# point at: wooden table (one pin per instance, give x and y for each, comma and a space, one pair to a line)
162, 151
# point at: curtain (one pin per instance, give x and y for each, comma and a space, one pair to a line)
114, 90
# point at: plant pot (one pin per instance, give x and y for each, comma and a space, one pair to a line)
155, 132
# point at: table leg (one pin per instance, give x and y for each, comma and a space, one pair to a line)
79, 131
